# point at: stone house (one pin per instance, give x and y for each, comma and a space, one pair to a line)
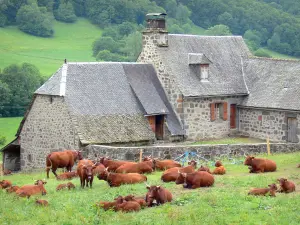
183, 87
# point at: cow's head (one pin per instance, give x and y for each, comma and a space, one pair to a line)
272, 187
152, 194
147, 158
282, 181
193, 163
79, 155
88, 170
181, 179
248, 160
129, 198
70, 185
40, 182
103, 175
119, 200
218, 163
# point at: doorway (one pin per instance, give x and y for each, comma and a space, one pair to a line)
292, 130
233, 116
157, 125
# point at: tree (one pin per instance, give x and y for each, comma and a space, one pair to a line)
79, 7
105, 43
22, 82
3, 20
65, 13
5, 94
175, 29
108, 56
34, 20
133, 46
262, 53
218, 30
182, 14
125, 28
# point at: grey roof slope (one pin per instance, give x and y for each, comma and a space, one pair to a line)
145, 83
52, 85
103, 104
273, 83
224, 52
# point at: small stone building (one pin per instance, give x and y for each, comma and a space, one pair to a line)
183, 87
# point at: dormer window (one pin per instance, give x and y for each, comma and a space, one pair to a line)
199, 64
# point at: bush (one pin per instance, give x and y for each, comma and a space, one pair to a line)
2, 140
65, 13
262, 53
2, 20
34, 20
218, 30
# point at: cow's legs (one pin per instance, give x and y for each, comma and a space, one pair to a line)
47, 170
54, 172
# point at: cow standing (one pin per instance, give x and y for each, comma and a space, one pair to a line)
65, 159
85, 172
258, 165
28, 190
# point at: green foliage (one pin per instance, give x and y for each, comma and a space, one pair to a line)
3, 20
133, 46
262, 53
9, 9
65, 13
34, 20
79, 7
106, 55
104, 43
175, 29
227, 202
21, 82
218, 30
2, 140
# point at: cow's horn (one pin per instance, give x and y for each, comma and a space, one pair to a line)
147, 184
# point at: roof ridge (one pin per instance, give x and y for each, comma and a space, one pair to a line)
274, 59
210, 36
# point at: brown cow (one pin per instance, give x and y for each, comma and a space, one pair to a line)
163, 164
65, 159
107, 205
204, 168
12, 189
5, 184
171, 174
117, 179
286, 186
141, 201
28, 190
99, 169
85, 172
7, 172
220, 170
67, 175
112, 165
196, 179
158, 193
41, 202
68, 185
125, 206
258, 165
264, 191
142, 167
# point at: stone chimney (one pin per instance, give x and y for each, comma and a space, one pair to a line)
156, 31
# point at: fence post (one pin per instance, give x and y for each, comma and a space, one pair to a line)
141, 155
268, 145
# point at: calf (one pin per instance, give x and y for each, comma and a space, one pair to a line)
5, 184
220, 169
171, 174
68, 185
264, 191
41, 202
286, 186
12, 189
141, 201
107, 205
195, 180
117, 179
258, 165
85, 171
158, 193
125, 206
67, 175
142, 167
204, 168
28, 190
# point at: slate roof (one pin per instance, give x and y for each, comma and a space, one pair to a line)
51, 86
225, 69
273, 83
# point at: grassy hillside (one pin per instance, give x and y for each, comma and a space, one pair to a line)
71, 41
226, 202
9, 127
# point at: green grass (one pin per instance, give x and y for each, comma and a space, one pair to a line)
70, 41
233, 140
9, 127
226, 202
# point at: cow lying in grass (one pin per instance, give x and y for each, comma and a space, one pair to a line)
204, 168
41, 202
67, 175
258, 165
142, 167
220, 169
29, 190
171, 174
68, 185
5, 184
126, 206
112, 165
12, 189
286, 186
195, 180
159, 194
264, 191
162, 164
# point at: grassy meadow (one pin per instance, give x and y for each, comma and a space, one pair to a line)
226, 202
9, 127
70, 41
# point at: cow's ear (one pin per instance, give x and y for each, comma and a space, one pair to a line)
148, 188
252, 157
158, 187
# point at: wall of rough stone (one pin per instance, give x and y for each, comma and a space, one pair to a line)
263, 123
47, 128
209, 152
197, 118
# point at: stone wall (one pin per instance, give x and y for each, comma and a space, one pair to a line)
210, 152
47, 128
263, 123
197, 118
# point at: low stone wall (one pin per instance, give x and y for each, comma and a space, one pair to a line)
209, 152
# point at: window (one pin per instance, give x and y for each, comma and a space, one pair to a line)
204, 70
218, 111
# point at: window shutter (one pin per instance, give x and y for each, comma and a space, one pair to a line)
212, 112
225, 114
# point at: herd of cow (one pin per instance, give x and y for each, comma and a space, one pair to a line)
117, 172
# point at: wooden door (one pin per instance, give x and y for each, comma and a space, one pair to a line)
292, 130
159, 127
232, 116
151, 120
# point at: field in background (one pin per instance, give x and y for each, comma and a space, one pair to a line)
226, 202
70, 41
9, 127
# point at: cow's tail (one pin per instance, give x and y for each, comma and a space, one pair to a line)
48, 158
